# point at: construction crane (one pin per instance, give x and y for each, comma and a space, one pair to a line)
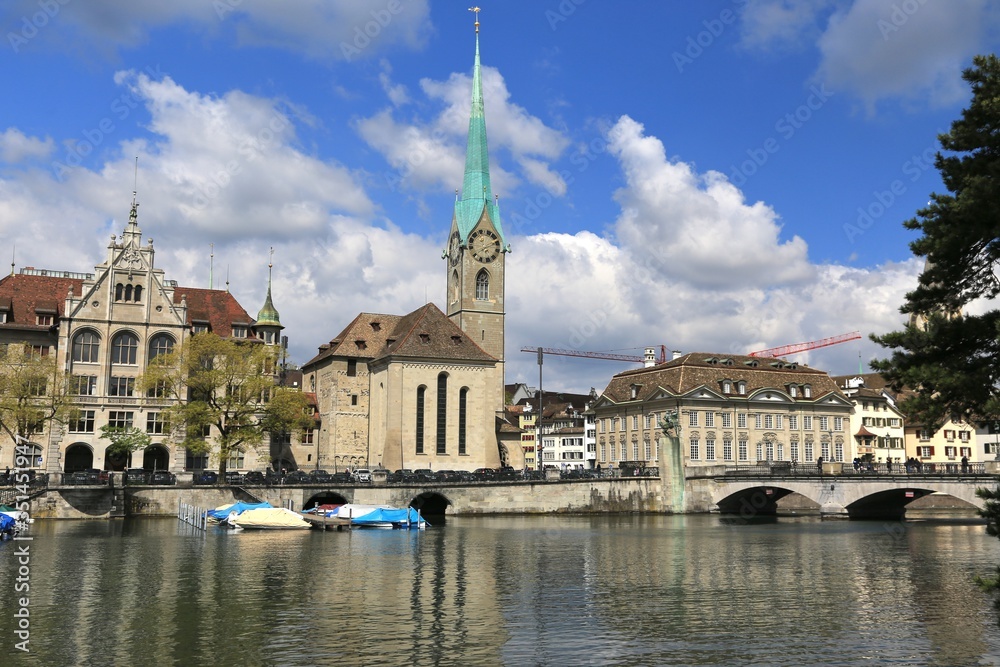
598, 355
785, 350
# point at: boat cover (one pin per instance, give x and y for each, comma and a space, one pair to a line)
270, 517
221, 513
7, 523
390, 515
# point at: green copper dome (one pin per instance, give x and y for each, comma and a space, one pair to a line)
268, 315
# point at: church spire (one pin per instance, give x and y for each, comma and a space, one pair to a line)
268, 315
477, 192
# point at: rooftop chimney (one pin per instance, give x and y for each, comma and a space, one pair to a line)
676, 354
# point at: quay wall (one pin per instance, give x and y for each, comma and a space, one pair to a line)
621, 495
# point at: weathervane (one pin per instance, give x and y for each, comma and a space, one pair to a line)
476, 10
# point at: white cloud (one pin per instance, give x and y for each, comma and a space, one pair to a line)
697, 227
396, 93
879, 49
769, 24
432, 154
322, 29
15, 146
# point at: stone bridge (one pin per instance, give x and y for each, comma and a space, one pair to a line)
853, 496
626, 494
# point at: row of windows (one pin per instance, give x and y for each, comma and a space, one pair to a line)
124, 347
441, 432
892, 422
647, 450
725, 419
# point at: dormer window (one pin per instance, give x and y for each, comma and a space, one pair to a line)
239, 331
199, 326
793, 390
457, 340
752, 363
634, 391
376, 326
425, 338
43, 320
727, 387
727, 362
360, 344
741, 388
807, 391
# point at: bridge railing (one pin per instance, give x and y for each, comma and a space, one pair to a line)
792, 469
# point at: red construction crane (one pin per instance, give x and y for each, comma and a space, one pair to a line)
785, 350
598, 355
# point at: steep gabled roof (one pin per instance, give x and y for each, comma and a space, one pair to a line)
218, 307
428, 332
363, 338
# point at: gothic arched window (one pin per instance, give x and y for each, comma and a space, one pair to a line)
160, 344
420, 419
482, 285
123, 348
86, 347
442, 413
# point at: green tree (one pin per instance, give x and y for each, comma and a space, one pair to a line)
124, 441
952, 360
224, 388
33, 391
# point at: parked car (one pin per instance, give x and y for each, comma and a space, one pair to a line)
342, 477
253, 477
484, 474
296, 477
421, 475
508, 474
234, 477
136, 476
162, 477
319, 477
207, 477
362, 476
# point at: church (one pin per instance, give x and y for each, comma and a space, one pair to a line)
426, 389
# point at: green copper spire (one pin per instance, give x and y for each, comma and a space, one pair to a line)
268, 315
477, 193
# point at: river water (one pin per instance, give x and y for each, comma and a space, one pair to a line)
600, 590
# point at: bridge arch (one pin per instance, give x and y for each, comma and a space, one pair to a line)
752, 501
432, 504
324, 498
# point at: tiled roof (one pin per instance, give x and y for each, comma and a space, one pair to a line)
21, 295
24, 294
425, 333
218, 307
690, 371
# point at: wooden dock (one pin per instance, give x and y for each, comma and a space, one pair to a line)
327, 522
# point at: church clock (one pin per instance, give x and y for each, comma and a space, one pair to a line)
454, 249
485, 245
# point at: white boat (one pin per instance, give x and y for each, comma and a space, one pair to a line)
379, 516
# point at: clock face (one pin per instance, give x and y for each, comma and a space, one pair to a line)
454, 249
485, 245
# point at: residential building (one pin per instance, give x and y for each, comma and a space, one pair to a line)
733, 409
877, 424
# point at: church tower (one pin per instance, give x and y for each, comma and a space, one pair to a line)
477, 247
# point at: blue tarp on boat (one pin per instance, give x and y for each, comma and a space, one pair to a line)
223, 512
384, 515
7, 523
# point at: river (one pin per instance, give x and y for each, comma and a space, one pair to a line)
534, 590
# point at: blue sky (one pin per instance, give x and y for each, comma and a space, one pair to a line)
716, 176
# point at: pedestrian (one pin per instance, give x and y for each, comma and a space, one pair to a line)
965, 464
888, 465
819, 465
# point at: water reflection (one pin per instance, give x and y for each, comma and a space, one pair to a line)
523, 590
